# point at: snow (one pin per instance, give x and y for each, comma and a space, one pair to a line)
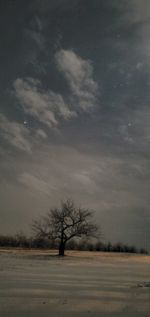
41, 284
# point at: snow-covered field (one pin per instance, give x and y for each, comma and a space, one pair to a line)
40, 284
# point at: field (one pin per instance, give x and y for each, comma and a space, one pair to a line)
40, 284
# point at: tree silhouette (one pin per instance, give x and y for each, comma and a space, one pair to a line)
65, 223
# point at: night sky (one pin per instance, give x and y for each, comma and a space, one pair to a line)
75, 113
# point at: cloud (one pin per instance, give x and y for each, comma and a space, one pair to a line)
45, 106
35, 183
137, 17
60, 169
15, 134
49, 107
104, 181
40, 133
140, 10
35, 44
85, 180
141, 127
34, 32
117, 187
36, 37
79, 74
34, 102
19, 136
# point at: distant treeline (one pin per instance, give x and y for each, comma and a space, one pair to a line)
21, 241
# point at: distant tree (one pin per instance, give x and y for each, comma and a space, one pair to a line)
143, 251
21, 240
62, 225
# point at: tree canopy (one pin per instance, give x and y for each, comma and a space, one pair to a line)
65, 223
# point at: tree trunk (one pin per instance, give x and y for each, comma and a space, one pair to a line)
61, 249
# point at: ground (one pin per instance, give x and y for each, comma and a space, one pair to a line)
82, 284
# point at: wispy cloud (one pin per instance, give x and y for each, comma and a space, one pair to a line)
34, 183
41, 134
79, 74
45, 106
36, 37
35, 44
19, 135
139, 10
15, 134
108, 182
48, 107
138, 17
34, 101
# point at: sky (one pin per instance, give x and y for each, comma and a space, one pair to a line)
75, 113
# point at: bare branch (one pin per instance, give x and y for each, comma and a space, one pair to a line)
66, 223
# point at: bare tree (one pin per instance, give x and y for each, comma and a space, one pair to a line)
65, 223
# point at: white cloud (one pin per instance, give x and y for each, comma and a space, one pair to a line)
79, 74
15, 134
40, 133
33, 101
19, 136
46, 107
